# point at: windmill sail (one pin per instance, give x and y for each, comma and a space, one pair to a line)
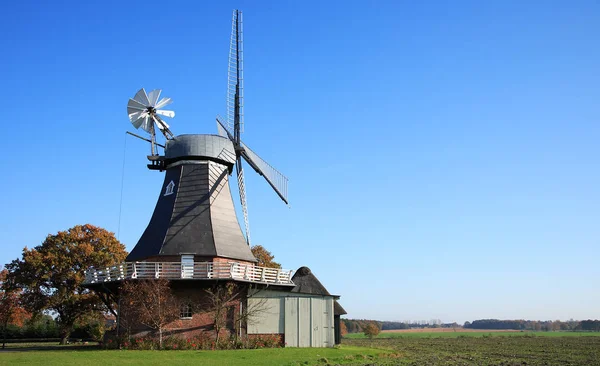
223, 131
235, 75
242, 190
277, 180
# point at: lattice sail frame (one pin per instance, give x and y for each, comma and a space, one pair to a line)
236, 52
233, 125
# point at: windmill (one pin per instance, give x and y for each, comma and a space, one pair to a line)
235, 123
194, 238
195, 214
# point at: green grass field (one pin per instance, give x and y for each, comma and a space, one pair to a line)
499, 349
275, 356
457, 334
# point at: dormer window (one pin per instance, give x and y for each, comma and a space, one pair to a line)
169, 188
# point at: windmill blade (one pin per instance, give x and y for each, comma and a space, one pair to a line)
153, 97
132, 111
275, 179
242, 190
134, 104
145, 123
223, 131
165, 113
142, 97
162, 125
136, 115
163, 103
137, 123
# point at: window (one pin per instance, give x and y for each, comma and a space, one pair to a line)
187, 266
186, 311
169, 188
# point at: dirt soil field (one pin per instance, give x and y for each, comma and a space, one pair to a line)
497, 350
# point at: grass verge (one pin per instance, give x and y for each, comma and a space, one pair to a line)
274, 356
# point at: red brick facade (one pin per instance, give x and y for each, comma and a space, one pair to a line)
194, 293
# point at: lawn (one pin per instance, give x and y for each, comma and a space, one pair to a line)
275, 356
459, 334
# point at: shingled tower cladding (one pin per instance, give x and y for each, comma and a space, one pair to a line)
195, 214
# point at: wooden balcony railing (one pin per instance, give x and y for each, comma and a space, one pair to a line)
189, 271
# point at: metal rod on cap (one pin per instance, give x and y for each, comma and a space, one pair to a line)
145, 139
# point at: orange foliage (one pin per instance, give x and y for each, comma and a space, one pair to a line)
51, 275
11, 310
371, 330
264, 257
343, 328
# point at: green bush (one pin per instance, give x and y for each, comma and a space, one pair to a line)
201, 342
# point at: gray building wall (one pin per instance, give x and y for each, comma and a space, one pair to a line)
305, 320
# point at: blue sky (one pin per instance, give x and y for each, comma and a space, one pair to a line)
443, 156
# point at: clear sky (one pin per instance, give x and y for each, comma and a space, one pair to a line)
443, 156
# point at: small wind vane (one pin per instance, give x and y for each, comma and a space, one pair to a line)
235, 122
144, 111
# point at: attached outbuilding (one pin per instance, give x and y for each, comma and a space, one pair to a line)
305, 315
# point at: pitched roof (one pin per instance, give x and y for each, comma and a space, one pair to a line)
338, 309
307, 283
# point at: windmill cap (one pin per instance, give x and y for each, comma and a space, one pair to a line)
198, 147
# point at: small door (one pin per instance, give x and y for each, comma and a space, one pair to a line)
291, 321
304, 322
187, 266
317, 325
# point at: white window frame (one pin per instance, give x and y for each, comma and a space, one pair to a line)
169, 188
184, 310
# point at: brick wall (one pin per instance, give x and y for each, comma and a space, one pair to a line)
195, 294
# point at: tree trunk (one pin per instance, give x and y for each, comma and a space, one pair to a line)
160, 338
64, 336
64, 339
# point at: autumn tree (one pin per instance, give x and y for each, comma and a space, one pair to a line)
371, 330
51, 275
222, 302
343, 329
151, 303
11, 308
264, 257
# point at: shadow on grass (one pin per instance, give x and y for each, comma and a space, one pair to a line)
73, 348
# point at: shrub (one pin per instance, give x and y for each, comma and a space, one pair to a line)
371, 330
202, 341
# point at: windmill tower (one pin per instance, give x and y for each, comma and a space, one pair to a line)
195, 218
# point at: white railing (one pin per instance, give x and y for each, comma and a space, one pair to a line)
199, 271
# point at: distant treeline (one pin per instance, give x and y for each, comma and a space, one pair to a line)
549, 325
357, 325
